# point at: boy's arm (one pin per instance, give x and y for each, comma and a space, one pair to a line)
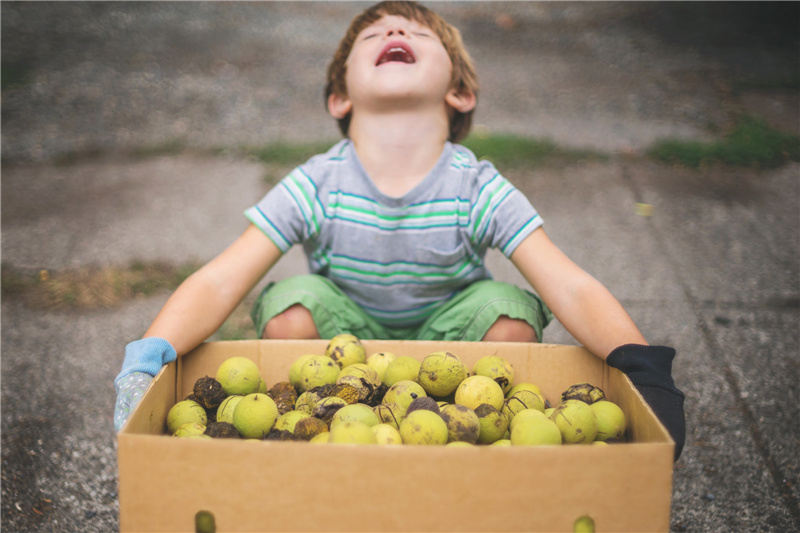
205, 299
581, 303
194, 311
597, 320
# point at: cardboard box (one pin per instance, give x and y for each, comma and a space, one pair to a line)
294, 486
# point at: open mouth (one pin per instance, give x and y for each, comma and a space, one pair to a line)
397, 52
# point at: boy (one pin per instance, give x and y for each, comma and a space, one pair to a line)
395, 221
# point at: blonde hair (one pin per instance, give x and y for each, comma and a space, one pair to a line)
463, 78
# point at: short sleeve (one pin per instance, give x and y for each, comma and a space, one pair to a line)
501, 216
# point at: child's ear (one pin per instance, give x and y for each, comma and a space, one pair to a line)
339, 106
462, 101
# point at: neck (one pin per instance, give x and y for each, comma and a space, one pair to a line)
398, 149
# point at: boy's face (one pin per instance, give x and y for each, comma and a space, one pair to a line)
395, 63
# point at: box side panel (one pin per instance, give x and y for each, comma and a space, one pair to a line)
150, 415
301, 487
642, 423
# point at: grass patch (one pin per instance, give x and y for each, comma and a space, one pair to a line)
91, 288
288, 154
516, 151
281, 157
751, 143
502, 150
170, 147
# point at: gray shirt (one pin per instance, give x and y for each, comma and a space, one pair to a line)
398, 258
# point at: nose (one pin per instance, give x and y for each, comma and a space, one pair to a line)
396, 31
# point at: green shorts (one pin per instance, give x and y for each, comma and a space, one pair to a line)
466, 317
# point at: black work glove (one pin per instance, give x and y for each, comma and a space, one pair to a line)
650, 370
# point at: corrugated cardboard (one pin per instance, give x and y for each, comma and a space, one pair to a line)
294, 486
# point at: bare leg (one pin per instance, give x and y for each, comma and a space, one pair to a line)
294, 323
507, 329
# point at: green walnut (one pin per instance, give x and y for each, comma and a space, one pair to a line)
460, 444
524, 386
345, 350
423, 402
403, 368
294, 370
226, 408
494, 424
476, 390
350, 432
462, 423
524, 415
316, 371
357, 412
380, 361
404, 392
496, 368
535, 431
440, 373
387, 434
321, 438
239, 375
576, 421
391, 413
423, 428
255, 415
521, 401
305, 402
190, 428
184, 412
584, 524
288, 420
610, 421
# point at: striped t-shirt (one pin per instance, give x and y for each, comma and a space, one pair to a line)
398, 258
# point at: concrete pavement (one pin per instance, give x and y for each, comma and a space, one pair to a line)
713, 271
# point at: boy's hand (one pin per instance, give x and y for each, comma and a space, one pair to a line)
650, 370
143, 359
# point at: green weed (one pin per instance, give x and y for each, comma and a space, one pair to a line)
751, 143
515, 151
288, 154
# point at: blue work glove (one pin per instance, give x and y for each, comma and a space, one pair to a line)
650, 370
143, 359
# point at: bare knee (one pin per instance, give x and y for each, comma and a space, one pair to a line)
295, 322
507, 329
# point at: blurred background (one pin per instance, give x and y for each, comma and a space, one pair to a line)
84, 77
658, 139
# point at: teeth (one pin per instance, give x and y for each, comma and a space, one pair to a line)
396, 53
